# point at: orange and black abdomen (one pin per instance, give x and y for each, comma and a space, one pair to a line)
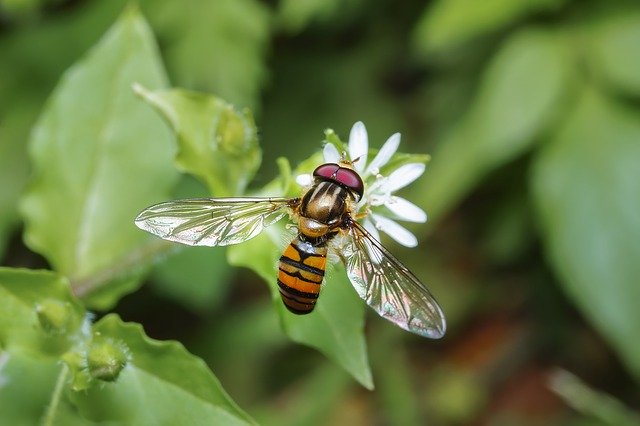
301, 270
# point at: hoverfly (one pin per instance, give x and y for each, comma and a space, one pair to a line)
325, 211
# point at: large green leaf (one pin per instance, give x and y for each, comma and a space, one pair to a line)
613, 51
113, 373
158, 383
38, 314
519, 97
216, 144
446, 23
586, 184
99, 156
32, 58
336, 326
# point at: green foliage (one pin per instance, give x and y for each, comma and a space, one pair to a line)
601, 407
39, 313
583, 174
215, 143
528, 109
447, 23
88, 158
217, 46
592, 232
613, 51
178, 386
532, 64
149, 379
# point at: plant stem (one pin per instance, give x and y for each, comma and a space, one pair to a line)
128, 266
49, 415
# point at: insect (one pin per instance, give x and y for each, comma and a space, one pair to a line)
324, 214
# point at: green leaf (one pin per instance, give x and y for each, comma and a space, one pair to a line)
336, 327
216, 144
26, 384
38, 312
586, 186
218, 46
161, 383
613, 51
518, 99
447, 23
99, 157
54, 43
602, 407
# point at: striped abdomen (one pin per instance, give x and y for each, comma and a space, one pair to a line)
301, 270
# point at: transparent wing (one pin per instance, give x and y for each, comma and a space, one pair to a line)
212, 221
389, 287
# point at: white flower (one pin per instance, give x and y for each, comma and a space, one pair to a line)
378, 197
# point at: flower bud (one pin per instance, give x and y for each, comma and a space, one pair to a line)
106, 359
55, 316
233, 135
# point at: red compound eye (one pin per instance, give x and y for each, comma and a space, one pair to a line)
326, 171
346, 177
351, 179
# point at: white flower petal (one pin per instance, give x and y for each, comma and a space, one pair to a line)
369, 226
377, 199
403, 176
304, 179
376, 186
406, 210
399, 233
384, 155
330, 153
358, 146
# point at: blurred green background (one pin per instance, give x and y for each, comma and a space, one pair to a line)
530, 111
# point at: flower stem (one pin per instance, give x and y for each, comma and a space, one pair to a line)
130, 265
49, 416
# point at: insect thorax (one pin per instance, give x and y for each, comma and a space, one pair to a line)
326, 202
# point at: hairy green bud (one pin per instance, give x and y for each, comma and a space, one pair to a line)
106, 359
55, 316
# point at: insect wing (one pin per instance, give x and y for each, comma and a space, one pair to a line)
389, 287
212, 221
